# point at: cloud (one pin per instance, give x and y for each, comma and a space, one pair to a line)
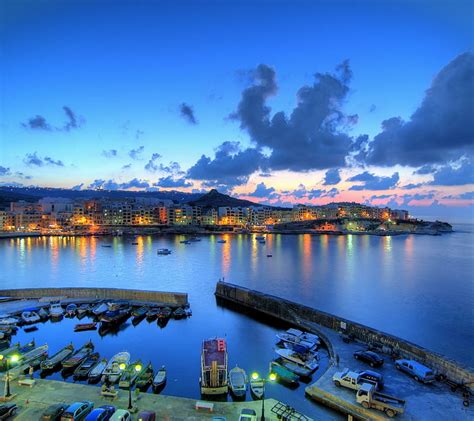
73, 121
332, 177
170, 182
37, 123
373, 182
135, 153
454, 175
310, 137
113, 185
262, 191
127, 167
111, 153
372, 108
33, 160
308, 194
172, 168
151, 165
463, 196
135, 183
186, 111
231, 166
425, 169
51, 161
23, 176
440, 130
139, 134
4, 171
411, 186
77, 187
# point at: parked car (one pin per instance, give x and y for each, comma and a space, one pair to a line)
418, 371
54, 412
248, 415
7, 410
102, 413
374, 376
370, 357
77, 411
146, 416
121, 415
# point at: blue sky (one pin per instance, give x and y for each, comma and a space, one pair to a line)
126, 67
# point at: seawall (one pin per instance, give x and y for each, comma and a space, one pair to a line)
298, 314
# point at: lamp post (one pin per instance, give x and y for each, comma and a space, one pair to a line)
14, 358
271, 378
138, 368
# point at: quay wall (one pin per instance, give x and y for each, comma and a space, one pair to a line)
172, 298
298, 314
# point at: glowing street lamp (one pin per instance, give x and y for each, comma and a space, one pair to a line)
138, 368
11, 359
272, 377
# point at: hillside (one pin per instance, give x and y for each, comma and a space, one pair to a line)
214, 199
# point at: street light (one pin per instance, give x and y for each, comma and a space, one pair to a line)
138, 368
13, 358
271, 378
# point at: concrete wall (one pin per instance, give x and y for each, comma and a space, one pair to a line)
298, 314
173, 298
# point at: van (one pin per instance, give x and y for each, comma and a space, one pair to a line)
418, 371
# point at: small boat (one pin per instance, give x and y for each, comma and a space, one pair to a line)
145, 378
56, 311
56, 359
307, 361
85, 326
130, 374
238, 382
25, 348
164, 313
260, 237
9, 321
106, 245
261, 241
222, 241
194, 239
134, 243
115, 367
152, 313
295, 336
15, 349
284, 375
141, 311
214, 379
185, 242
30, 317
43, 313
78, 357
71, 310
163, 252
269, 255
257, 388
100, 309
30, 359
84, 368
83, 309
30, 329
159, 380
304, 373
179, 313
111, 317
97, 370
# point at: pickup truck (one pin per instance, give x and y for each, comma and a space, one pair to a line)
369, 398
352, 379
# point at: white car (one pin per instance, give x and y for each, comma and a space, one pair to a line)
121, 415
248, 415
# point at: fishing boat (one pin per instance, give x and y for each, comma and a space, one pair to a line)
238, 382
307, 361
145, 378
71, 310
130, 374
164, 313
138, 312
179, 313
152, 313
27, 329
8, 320
30, 317
84, 368
83, 309
43, 313
33, 354
100, 309
79, 356
269, 255
296, 336
222, 241
96, 372
163, 252
56, 311
111, 317
56, 359
299, 370
85, 326
159, 380
214, 379
30, 359
116, 365
257, 388
284, 375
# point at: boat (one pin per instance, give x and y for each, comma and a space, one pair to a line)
307, 361
97, 370
260, 237
214, 379
83, 309
163, 252
238, 382
111, 317
152, 313
30, 317
269, 255
27, 329
43, 313
40, 352
85, 326
304, 373
261, 241
28, 360
295, 336
80, 355
83, 369
145, 378
138, 312
9, 320
106, 245
100, 309
185, 242
164, 313
134, 243
159, 380
130, 374
257, 388
222, 241
71, 310
56, 359
194, 239
283, 375
56, 311
179, 313
116, 365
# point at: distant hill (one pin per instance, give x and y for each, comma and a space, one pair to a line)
214, 199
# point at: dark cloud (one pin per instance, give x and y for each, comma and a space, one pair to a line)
33, 160
425, 169
411, 186
151, 165
303, 193
231, 166
265, 174
127, 167
135, 183
77, 187
73, 121
37, 123
111, 153
172, 168
310, 137
135, 153
23, 175
463, 196
332, 177
372, 108
170, 182
4, 171
186, 111
440, 130
450, 175
51, 161
139, 134
113, 185
262, 191
374, 182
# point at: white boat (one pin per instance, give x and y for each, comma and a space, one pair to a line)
113, 371
28, 359
257, 388
30, 317
164, 252
9, 321
55, 310
307, 361
238, 382
297, 337
100, 309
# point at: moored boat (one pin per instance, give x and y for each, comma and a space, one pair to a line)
43, 313
85, 326
145, 378
30, 359
296, 336
139, 312
9, 320
55, 360
307, 361
96, 372
84, 368
116, 365
283, 375
164, 313
163, 252
30, 317
130, 374
80, 355
179, 313
152, 313
100, 309
238, 382
299, 370
114, 316
83, 309
159, 380
71, 310
56, 311
257, 388
214, 379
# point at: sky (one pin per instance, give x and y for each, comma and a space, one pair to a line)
280, 102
